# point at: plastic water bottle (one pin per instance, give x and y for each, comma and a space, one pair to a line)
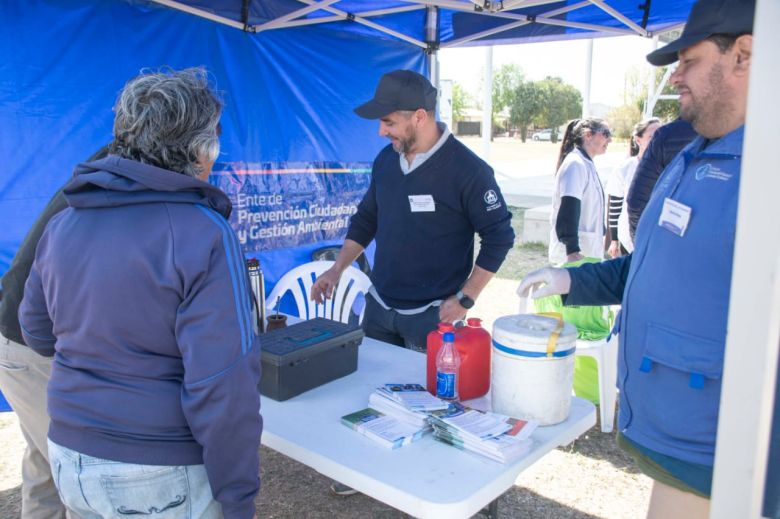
447, 369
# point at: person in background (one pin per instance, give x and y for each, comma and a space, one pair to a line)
667, 142
617, 188
24, 375
675, 286
139, 291
577, 217
428, 196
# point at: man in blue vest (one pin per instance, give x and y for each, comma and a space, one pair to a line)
674, 288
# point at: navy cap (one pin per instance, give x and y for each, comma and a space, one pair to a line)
399, 90
708, 17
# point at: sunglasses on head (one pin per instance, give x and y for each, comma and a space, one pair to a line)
604, 131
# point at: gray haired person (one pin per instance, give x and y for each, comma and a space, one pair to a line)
138, 291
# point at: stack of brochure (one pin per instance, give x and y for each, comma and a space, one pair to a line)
409, 403
413, 396
384, 430
401, 413
495, 436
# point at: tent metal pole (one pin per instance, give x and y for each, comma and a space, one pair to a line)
524, 20
650, 102
657, 94
489, 32
368, 23
432, 39
616, 14
340, 18
202, 14
471, 8
588, 79
487, 104
279, 22
586, 26
458, 6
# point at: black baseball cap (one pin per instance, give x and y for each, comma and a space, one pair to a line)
399, 90
708, 17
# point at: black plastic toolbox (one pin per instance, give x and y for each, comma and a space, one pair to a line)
306, 355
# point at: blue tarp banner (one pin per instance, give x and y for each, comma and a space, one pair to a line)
290, 141
278, 206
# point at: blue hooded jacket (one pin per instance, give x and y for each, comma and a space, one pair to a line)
139, 290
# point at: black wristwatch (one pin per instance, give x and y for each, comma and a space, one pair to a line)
464, 300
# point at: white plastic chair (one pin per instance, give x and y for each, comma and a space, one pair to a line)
300, 280
605, 352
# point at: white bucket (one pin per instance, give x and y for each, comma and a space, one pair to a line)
532, 373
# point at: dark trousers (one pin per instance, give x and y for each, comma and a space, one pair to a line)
408, 331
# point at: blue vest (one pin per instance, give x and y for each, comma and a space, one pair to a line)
675, 305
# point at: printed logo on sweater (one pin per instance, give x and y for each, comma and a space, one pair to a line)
710, 171
491, 200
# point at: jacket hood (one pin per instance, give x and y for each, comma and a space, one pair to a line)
113, 181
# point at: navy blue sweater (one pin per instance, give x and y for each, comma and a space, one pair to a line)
423, 256
667, 142
139, 290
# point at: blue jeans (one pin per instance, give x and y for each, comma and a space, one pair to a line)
97, 488
408, 331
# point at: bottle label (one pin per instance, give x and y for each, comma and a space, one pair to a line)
445, 385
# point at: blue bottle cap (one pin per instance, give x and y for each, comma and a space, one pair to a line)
449, 337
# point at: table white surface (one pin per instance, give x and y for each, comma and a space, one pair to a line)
426, 479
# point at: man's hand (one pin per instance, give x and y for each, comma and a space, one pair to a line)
551, 280
614, 249
451, 311
323, 287
574, 256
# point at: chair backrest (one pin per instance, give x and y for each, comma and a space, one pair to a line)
300, 280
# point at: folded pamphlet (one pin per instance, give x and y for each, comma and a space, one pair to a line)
384, 430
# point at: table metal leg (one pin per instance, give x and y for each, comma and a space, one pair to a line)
491, 511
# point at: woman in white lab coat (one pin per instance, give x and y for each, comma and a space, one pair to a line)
578, 205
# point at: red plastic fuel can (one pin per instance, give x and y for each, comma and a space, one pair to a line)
473, 344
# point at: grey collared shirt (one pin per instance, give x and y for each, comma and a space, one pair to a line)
422, 157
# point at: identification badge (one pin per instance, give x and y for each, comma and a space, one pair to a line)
422, 203
675, 217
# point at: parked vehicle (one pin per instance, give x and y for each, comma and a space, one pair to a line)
542, 135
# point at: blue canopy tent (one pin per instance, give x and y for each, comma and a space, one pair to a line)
295, 159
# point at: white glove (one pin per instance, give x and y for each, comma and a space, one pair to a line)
555, 281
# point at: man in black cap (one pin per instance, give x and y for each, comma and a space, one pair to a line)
675, 286
428, 196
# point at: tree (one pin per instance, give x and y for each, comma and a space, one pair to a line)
526, 106
505, 81
622, 120
560, 102
461, 100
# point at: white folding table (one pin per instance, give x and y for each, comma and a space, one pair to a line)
427, 479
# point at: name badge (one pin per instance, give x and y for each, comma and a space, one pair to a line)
422, 203
675, 217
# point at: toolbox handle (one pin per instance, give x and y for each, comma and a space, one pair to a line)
309, 340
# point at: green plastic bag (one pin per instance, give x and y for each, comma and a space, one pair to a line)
593, 323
